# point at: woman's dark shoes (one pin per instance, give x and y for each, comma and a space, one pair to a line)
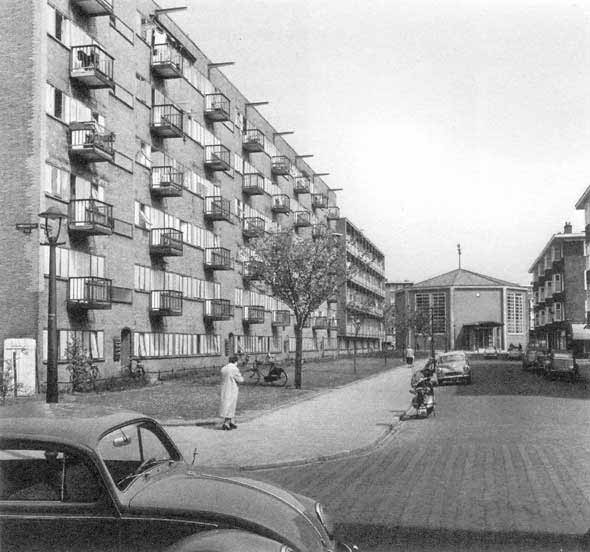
233, 426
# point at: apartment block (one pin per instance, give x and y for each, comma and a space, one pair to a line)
559, 292
166, 172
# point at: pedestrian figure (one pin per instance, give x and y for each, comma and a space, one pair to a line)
230, 377
409, 356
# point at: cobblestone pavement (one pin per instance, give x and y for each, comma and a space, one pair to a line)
508, 455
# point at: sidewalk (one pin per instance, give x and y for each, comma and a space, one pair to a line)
351, 418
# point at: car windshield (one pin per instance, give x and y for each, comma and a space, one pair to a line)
134, 449
458, 357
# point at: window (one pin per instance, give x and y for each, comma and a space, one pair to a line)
58, 26
44, 472
515, 312
70, 263
431, 307
161, 344
92, 341
57, 182
143, 91
144, 154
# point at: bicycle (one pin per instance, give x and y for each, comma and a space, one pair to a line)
267, 372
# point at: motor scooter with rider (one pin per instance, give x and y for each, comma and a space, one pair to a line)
423, 400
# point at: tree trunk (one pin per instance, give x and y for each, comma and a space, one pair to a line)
298, 354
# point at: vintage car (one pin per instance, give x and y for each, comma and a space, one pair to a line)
532, 358
491, 352
561, 364
453, 367
87, 479
514, 354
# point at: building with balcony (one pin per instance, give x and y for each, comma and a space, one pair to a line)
165, 173
358, 306
560, 277
463, 310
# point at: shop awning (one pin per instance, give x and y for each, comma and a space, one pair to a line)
580, 332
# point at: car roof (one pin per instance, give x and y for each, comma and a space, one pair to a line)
73, 423
449, 353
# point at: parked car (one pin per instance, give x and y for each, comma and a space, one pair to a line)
79, 478
514, 354
453, 367
561, 364
490, 352
531, 358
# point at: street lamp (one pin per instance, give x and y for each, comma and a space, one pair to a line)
53, 219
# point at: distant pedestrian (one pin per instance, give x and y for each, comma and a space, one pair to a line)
409, 356
230, 377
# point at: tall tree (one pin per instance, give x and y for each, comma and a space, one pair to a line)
303, 272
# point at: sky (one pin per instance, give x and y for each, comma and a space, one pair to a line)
443, 121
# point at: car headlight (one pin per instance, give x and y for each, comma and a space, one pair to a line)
325, 519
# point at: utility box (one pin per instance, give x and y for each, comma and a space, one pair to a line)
19, 366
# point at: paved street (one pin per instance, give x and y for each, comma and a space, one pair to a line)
505, 464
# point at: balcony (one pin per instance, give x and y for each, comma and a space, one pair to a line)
91, 66
280, 165
167, 121
253, 227
217, 158
166, 62
302, 219
166, 242
218, 309
319, 323
253, 184
91, 142
252, 270
319, 201
94, 7
301, 185
253, 315
217, 208
217, 107
90, 217
333, 213
253, 141
281, 318
89, 292
167, 181
166, 302
281, 203
218, 258
332, 323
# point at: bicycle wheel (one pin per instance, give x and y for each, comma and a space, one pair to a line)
282, 379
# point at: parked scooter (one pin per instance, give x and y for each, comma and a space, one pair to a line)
423, 400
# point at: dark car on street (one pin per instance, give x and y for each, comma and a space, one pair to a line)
533, 358
561, 364
453, 367
86, 479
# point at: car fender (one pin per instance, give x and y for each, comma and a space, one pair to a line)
225, 540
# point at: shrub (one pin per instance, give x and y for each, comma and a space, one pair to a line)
83, 372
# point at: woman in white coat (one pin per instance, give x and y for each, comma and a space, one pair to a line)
230, 377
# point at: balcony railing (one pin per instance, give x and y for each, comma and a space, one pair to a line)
253, 227
254, 315
319, 201
166, 242
90, 217
318, 230
301, 185
167, 181
166, 302
302, 219
281, 318
92, 66
252, 270
253, 140
280, 165
217, 107
89, 292
217, 158
167, 121
218, 258
92, 142
217, 208
166, 62
320, 323
218, 309
94, 7
281, 203
333, 213
332, 323
253, 184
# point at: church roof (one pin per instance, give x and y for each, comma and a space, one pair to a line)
464, 278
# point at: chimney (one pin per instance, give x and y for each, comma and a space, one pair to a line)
567, 228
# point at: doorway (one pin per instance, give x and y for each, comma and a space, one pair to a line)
125, 348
